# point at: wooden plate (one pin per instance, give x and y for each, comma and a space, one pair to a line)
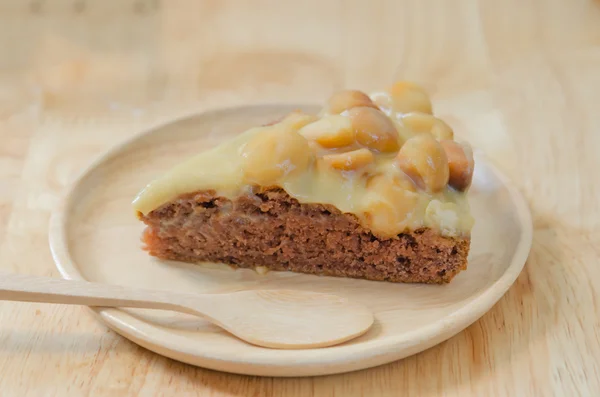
95, 236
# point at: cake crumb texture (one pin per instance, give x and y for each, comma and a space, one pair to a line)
270, 229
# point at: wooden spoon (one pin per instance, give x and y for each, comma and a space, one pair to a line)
284, 319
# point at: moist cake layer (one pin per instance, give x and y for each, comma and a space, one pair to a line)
269, 229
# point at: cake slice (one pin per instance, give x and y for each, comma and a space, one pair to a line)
373, 187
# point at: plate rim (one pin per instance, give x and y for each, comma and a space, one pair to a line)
377, 351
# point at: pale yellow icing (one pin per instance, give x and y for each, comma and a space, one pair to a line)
384, 206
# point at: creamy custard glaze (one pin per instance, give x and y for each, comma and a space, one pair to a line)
324, 159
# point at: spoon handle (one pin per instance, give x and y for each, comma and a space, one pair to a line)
17, 287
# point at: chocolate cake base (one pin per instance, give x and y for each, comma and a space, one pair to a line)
273, 230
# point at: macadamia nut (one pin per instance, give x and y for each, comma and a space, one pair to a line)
409, 97
460, 164
330, 131
424, 160
423, 122
348, 99
374, 129
274, 153
389, 204
350, 161
297, 120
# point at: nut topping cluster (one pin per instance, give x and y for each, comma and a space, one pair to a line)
391, 142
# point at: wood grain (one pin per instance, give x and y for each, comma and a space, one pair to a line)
519, 79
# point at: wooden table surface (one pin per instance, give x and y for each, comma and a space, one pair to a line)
520, 78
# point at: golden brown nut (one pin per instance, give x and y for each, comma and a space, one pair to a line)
418, 122
389, 204
298, 119
374, 129
409, 97
383, 101
348, 99
423, 122
385, 181
350, 160
441, 130
330, 132
404, 133
274, 153
424, 160
460, 164
295, 120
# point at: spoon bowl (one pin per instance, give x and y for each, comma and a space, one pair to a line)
289, 319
